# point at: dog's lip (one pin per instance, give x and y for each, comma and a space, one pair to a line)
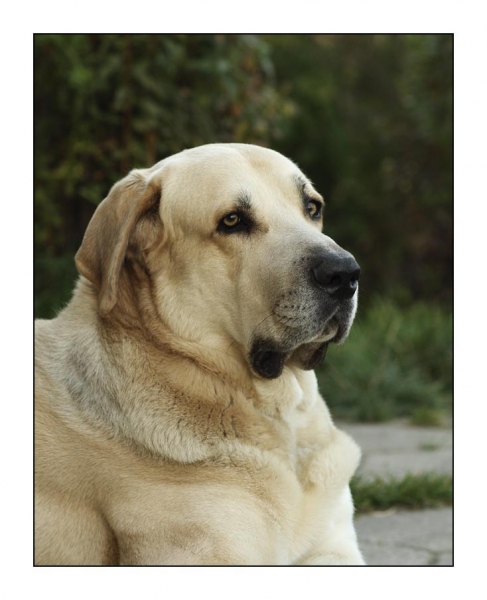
267, 360
320, 353
340, 335
331, 332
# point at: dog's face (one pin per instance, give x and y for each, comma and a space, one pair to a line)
237, 254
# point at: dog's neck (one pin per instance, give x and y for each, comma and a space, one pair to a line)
209, 392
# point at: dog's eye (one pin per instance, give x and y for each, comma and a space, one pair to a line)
235, 222
231, 220
314, 209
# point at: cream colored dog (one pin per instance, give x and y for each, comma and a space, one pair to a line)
178, 417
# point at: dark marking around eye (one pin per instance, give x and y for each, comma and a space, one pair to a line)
239, 220
309, 199
314, 208
242, 224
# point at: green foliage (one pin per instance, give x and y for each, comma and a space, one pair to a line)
105, 104
396, 363
426, 416
54, 282
428, 490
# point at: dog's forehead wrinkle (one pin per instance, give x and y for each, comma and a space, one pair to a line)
305, 187
244, 200
301, 182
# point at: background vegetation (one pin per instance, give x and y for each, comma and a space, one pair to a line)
427, 490
367, 117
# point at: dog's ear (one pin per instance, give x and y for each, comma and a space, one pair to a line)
106, 240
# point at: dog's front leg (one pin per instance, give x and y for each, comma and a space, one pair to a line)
338, 543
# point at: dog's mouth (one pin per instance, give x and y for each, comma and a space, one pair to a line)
267, 357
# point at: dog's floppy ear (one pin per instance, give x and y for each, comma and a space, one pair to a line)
106, 240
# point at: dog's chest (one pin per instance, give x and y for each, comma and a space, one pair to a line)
324, 461
301, 484
314, 453
325, 456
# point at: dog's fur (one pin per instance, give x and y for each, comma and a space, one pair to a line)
178, 420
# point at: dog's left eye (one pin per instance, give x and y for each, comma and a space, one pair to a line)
314, 209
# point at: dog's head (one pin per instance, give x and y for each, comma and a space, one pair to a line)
230, 237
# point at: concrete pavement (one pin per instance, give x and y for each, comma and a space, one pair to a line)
400, 537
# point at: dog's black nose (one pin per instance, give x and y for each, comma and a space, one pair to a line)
338, 274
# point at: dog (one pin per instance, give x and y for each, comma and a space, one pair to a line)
178, 419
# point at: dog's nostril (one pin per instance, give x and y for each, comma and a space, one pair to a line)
355, 276
335, 280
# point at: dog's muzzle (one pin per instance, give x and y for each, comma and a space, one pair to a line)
322, 314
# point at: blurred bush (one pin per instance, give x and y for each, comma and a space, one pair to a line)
396, 363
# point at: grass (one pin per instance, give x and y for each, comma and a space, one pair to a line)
396, 363
428, 416
429, 447
427, 490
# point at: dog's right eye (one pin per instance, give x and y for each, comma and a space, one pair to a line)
231, 220
233, 223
